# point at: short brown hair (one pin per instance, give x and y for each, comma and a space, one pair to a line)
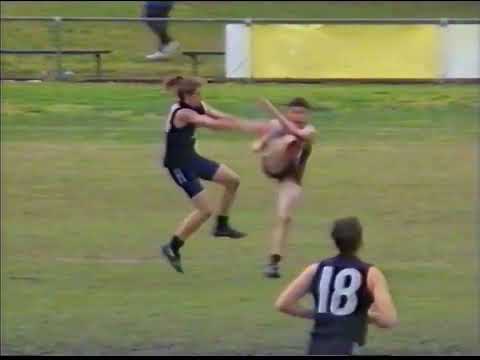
300, 102
347, 234
187, 87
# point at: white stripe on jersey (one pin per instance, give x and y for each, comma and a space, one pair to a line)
168, 124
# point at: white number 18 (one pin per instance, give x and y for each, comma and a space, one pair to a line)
339, 290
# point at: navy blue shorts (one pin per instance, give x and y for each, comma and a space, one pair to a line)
188, 177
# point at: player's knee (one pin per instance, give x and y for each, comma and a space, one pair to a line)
285, 219
205, 213
233, 182
236, 182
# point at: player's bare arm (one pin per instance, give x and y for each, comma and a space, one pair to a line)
255, 127
382, 313
187, 116
215, 113
288, 300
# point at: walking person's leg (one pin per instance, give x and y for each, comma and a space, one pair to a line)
169, 44
166, 45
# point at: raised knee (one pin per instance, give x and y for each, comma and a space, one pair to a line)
233, 182
236, 181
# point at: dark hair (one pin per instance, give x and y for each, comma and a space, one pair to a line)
300, 102
347, 234
187, 87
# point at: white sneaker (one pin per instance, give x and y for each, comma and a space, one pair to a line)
170, 48
156, 56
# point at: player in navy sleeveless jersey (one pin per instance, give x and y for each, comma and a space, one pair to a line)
348, 295
186, 167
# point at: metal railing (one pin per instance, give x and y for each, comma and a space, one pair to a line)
57, 24
253, 20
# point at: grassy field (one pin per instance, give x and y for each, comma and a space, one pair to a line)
130, 42
85, 207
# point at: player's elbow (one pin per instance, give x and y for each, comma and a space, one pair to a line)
388, 322
392, 322
387, 325
281, 306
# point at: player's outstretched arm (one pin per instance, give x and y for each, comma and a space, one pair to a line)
382, 313
215, 113
288, 300
256, 127
189, 116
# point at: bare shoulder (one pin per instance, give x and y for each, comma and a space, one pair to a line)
311, 269
186, 112
375, 277
311, 127
310, 133
375, 272
183, 117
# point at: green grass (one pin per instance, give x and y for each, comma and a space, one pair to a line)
85, 207
130, 42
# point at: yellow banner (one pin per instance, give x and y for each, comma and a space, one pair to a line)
346, 51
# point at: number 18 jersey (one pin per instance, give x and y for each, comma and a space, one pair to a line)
342, 299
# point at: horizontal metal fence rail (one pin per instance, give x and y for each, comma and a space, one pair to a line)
253, 20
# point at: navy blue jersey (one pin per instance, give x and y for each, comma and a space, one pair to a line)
180, 142
342, 299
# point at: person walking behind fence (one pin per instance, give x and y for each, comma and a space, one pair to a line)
166, 45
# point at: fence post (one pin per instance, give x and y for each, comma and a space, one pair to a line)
444, 49
58, 30
249, 22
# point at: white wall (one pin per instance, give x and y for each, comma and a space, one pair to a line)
462, 51
237, 51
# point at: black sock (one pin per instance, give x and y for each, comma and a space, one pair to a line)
175, 244
222, 221
275, 259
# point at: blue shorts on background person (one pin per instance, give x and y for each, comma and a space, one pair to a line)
166, 45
